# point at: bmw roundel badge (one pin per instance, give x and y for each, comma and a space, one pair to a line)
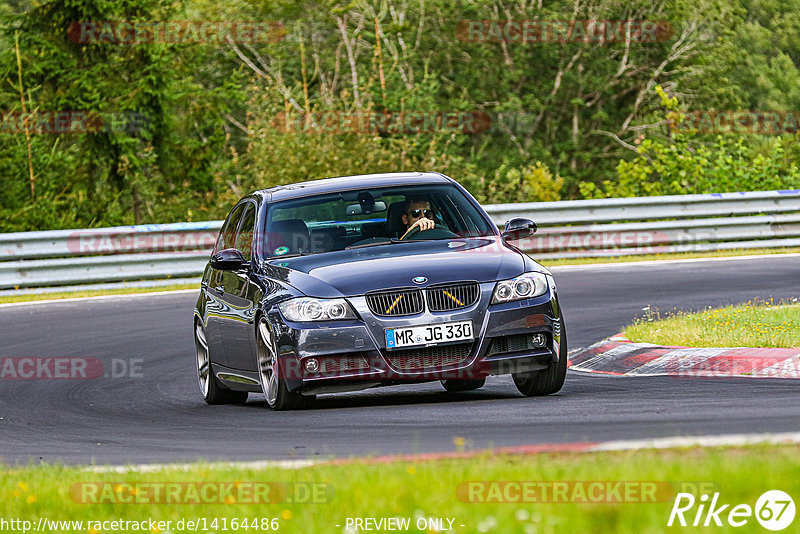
419, 279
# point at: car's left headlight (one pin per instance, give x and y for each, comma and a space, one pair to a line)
522, 287
310, 309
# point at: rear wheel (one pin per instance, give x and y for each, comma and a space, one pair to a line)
213, 392
547, 381
454, 385
269, 371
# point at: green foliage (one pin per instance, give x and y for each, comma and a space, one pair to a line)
338, 491
686, 164
721, 166
533, 183
564, 116
753, 324
157, 157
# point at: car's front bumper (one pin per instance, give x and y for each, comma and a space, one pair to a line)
352, 355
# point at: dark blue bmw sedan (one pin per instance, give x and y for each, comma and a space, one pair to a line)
355, 282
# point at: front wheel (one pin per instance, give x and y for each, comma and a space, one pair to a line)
269, 371
546, 381
213, 392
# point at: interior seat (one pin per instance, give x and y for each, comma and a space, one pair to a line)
394, 219
374, 229
289, 233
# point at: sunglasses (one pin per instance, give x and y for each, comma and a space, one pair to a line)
418, 213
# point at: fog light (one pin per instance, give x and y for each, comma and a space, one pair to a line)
312, 365
538, 340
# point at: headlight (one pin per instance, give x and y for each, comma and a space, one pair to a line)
522, 287
310, 309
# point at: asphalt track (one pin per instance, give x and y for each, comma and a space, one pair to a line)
160, 416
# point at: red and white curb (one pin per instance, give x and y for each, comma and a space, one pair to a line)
620, 356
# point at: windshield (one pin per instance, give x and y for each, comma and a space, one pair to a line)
366, 217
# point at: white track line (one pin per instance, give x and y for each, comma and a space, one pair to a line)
102, 297
651, 263
152, 468
724, 440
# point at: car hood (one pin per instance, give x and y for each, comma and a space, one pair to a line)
357, 271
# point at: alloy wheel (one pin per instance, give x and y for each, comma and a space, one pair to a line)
203, 366
267, 362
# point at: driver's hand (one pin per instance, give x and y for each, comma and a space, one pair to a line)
423, 224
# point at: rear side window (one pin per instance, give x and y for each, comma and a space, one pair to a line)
227, 234
244, 239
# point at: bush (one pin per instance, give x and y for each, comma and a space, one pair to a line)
532, 183
684, 164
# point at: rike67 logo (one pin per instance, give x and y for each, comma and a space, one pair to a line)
774, 510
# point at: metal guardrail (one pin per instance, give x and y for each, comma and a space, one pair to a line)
759, 219
647, 208
61, 271
116, 240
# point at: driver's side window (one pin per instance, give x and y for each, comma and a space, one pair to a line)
244, 239
227, 234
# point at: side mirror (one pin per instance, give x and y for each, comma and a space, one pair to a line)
229, 259
519, 229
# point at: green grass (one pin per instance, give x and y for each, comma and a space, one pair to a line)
748, 325
95, 293
674, 256
430, 489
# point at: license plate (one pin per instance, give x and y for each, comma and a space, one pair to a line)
428, 334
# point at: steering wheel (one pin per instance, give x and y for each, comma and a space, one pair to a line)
437, 232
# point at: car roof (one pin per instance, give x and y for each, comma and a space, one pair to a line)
344, 183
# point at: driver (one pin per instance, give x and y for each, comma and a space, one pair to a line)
418, 214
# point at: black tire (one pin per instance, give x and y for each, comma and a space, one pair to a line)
273, 384
213, 392
546, 381
455, 385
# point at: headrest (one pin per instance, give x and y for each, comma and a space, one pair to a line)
289, 233
394, 219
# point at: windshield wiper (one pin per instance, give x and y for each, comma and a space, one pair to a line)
292, 255
392, 241
373, 244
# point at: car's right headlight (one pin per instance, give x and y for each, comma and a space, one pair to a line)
310, 309
522, 287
